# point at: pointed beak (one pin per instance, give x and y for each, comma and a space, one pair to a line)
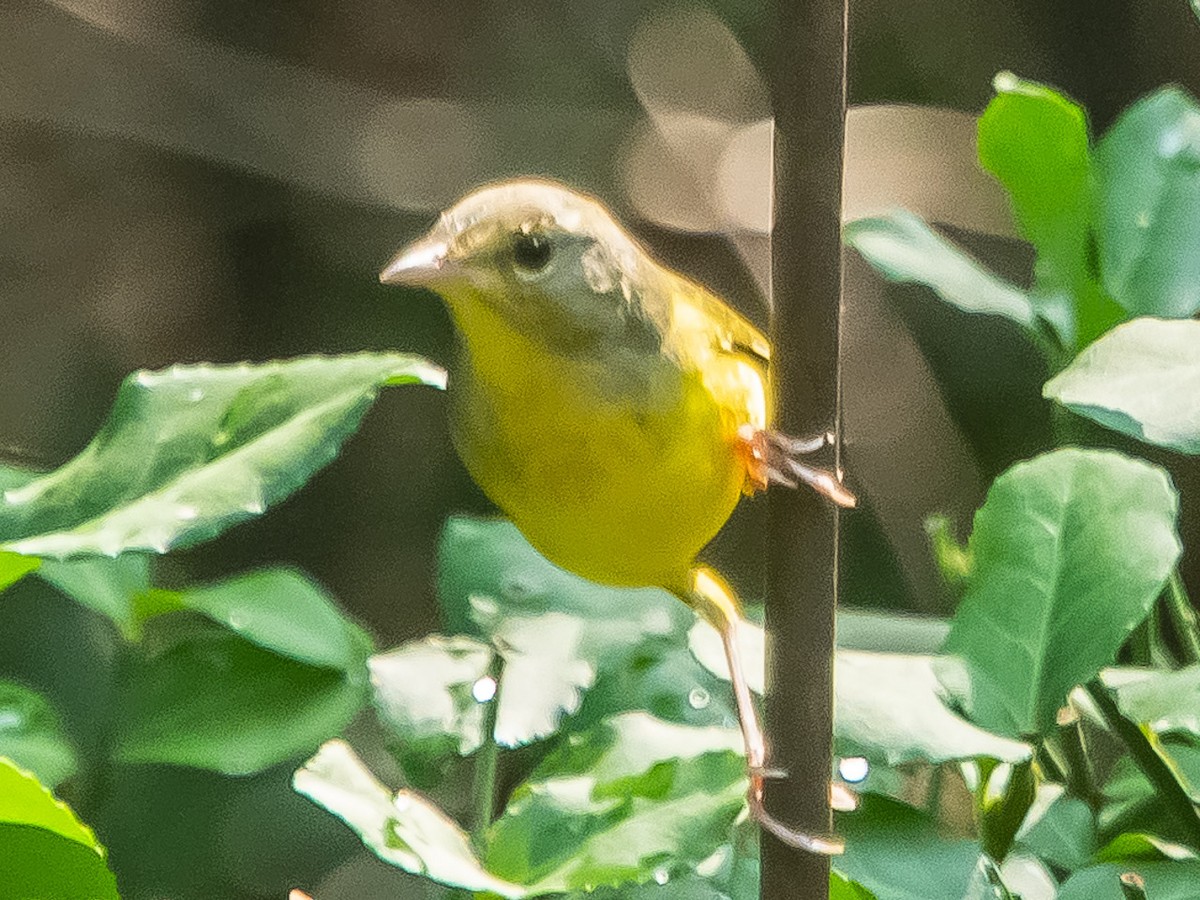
422, 262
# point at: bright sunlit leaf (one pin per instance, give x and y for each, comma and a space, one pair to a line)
1141, 379
1034, 141
403, 829
45, 851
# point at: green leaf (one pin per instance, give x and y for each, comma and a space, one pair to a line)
423, 694
1143, 847
193, 450
633, 799
46, 851
286, 612
1164, 702
488, 572
841, 889
1035, 142
24, 801
954, 562
1148, 188
1063, 832
1003, 797
14, 567
111, 587
896, 852
902, 248
1140, 379
216, 701
1164, 881
424, 688
634, 640
32, 736
1070, 537
883, 632
888, 708
405, 830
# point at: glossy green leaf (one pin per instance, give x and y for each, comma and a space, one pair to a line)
1141, 379
14, 567
889, 707
1164, 702
634, 640
216, 701
1148, 188
488, 572
111, 587
1035, 142
1070, 537
902, 248
31, 735
1164, 881
423, 692
1063, 832
633, 799
286, 612
193, 450
45, 851
404, 829
897, 853
425, 687
1003, 798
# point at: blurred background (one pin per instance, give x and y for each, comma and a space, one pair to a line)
190, 180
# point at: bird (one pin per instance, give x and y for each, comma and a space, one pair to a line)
615, 410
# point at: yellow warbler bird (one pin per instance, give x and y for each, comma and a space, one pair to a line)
613, 409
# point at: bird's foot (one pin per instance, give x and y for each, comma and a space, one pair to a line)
821, 844
771, 458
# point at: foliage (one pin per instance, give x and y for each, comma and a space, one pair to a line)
594, 727
1073, 555
47, 851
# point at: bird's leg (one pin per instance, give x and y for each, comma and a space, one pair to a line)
771, 458
715, 601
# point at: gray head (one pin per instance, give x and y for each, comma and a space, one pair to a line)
545, 257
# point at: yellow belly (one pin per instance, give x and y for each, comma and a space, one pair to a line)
618, 472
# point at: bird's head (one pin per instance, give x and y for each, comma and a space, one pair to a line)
548, 260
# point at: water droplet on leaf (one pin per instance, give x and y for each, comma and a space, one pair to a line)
854, 769
484, 690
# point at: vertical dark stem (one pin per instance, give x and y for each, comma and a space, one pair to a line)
1171, 794
486, 759
808, 91
1183, 618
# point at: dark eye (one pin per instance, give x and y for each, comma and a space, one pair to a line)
531, 251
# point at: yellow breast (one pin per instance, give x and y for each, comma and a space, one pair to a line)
619, 469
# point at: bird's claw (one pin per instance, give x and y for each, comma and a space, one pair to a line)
820, 844
768, 773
